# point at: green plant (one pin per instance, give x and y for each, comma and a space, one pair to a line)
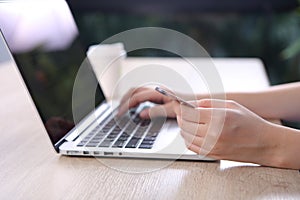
294, 48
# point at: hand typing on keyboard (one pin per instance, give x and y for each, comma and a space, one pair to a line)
166, 107
236, 129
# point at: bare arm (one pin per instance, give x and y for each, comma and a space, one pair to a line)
245, 136
277, 102
285, 147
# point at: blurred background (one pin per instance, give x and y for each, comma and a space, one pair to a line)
231, 28
267, 29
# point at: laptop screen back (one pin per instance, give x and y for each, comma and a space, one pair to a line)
49, 77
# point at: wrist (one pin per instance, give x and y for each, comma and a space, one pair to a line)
281, 147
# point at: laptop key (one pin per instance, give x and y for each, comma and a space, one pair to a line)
145, 122
95, 141
157, 124
85, 140
105, 143
111, 136
145, 146
148, 142
97, 137
105, 130
136, 137
119, 144
125, 134
123, 138
133, 143
91, 144
149, 138
100, 134
137, 120
81, 144
152, 134
87, 137
130, 128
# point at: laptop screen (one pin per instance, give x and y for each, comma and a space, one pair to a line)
49, 77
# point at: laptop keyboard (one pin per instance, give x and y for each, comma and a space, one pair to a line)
130, 131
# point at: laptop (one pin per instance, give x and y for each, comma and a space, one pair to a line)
49, 77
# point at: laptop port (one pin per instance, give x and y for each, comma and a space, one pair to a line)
108, 153
86, 152
96, 152
73, 152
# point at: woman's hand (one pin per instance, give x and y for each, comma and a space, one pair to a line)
223, 129
226, 130
136, 96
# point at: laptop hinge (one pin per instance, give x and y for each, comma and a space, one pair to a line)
73, 134
57, 145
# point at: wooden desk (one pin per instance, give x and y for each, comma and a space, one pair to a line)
30, 169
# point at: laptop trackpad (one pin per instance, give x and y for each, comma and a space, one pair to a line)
170, 141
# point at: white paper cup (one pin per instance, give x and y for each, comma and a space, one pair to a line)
106, 60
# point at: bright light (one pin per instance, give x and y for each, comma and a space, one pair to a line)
29, 24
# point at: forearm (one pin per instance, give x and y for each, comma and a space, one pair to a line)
277, 102
281, 147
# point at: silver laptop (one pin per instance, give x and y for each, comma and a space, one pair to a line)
49, 77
